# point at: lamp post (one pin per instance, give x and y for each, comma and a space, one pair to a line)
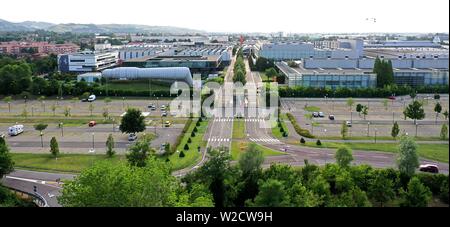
368, 129
93, 142
393, 117
114, 124
376, 135
123, 102
42, 141
62, 129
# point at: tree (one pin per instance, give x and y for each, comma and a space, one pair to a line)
271, 194
381, 189
214, 173
138, 153
110, 146
437, 110
344, 130
91, 108
445, 114
54, 107
384, 71
67, 111
105, 113
407, 160
271, 73
365, 111
8, 100
122, 185
385, 104
359, 108
6, 162
444, 132
186, 147
40, 127
132, 121
344, 157
182, 155
250, 164
415, 111
41, 99
395, 130
54, 147
417, 194
350, 103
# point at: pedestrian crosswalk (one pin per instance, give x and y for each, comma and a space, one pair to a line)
268, 140
215, 139
254, 120
223, 119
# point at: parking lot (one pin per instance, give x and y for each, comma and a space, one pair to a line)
79, 137
379, 119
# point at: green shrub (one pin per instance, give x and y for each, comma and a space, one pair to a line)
318, 143
298, 129
182, 154
189, 140
186, 147
302, 141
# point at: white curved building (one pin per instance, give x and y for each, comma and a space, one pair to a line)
132, 73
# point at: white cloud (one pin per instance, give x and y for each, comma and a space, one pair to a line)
244, 15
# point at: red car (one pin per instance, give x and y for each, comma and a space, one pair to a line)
92, 123
391, 97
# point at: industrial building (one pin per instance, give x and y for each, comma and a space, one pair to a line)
87, 61
89, 77
281, 51
333, 78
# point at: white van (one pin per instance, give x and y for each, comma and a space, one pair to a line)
92, 98
15, 130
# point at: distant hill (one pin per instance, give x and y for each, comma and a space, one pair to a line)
93, 28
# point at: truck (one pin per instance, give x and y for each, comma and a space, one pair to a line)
15, 130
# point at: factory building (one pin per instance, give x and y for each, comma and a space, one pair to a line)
281, 51
87, 61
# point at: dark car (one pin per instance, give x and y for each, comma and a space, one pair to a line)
331, 117
429, 168
315, 114
391, 97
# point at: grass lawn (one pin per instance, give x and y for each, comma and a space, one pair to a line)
73, 163
238, 129
276, 130
192, 156
378, 138
312, 109
438, 152
237, 148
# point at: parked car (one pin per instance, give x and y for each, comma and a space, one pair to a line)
315, 114
391, 97
15, 130
152, 106
331, 117
321, 114
163, 107
164, 114
132, 137
429, 168
348, 123
91, 98
167, 124
92, 123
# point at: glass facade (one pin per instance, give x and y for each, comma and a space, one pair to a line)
421, 78
333, 80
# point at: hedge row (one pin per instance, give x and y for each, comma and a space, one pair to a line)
298, 129
180, 137
387, 91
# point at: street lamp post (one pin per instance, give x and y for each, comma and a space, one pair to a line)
114, 124
375, 135
123, 102
93, 142
42, 141
393, 117
62, 129
368, 129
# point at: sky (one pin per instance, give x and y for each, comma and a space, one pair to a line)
290, 16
